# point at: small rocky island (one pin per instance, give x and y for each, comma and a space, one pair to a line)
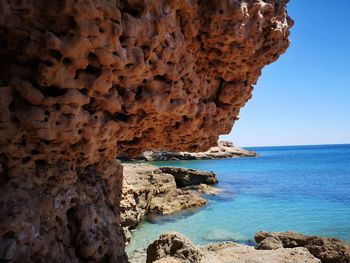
223, 149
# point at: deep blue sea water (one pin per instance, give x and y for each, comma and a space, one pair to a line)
299, 188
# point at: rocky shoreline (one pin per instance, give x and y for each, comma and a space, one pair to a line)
271, 247
148, 189
279, 247
174, 247
151, 190
223, 150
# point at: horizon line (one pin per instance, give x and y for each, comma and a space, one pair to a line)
294, 145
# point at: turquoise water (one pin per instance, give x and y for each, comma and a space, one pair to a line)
299, 188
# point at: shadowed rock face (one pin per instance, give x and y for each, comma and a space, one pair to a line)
84, 81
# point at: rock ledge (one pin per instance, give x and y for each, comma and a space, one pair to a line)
223, 150
148, 189
174, 247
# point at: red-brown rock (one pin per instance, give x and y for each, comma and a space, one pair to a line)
84, 81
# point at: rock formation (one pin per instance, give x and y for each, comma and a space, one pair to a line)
187, 177
328, 250
84, 81
223, 149
147, 189
175, 200
141, 183
174, 247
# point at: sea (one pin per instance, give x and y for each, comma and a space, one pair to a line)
297, 188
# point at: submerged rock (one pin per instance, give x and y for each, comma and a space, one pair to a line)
223, 150
174, 246
328, 250
204, 189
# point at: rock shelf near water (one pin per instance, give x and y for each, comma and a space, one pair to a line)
149, 189
188, 177
174, 247
278, 247
328, 250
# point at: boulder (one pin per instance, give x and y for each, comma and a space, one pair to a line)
328, 250
270, 243
186, 177
176, 247
175, 200
173, 245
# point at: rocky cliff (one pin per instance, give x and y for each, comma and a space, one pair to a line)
84, 81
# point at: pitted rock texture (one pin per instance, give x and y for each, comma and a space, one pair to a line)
328, 250
84, 81
174, 247
148, 190
57, 222
187, 177
141, 183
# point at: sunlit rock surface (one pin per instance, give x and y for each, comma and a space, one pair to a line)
174, 247
84, 81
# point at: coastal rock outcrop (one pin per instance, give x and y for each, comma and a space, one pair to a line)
187, 177
223, 149
328, 250
174, 247
149, 189
175, 200
82, 82
141, 183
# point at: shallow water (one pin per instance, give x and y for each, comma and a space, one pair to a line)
299, 188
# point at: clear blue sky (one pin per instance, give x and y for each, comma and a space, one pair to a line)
304, 97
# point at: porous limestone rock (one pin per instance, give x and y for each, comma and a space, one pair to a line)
175, 200
176, 247
186, 177
147, 189
84, 81
328, 250
168, 260
141, 183
269, 243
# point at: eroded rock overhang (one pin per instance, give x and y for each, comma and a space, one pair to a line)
84, 81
